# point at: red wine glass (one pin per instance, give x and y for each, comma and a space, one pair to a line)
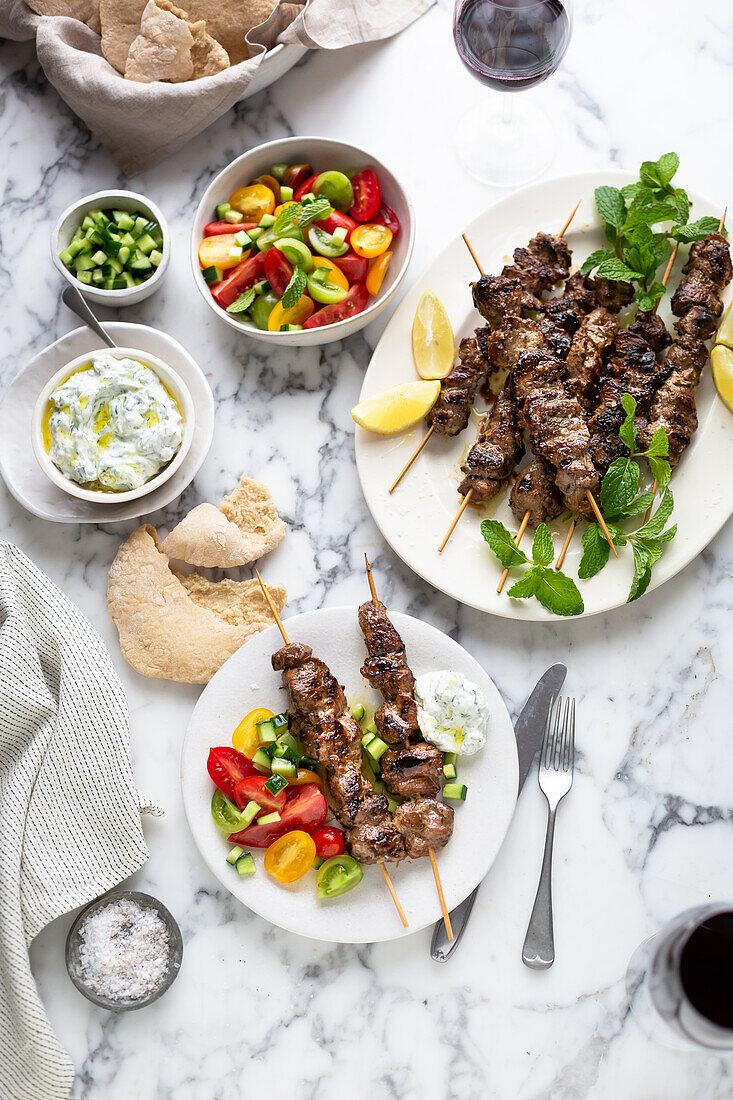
509, 45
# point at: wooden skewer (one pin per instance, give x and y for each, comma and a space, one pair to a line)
436, 872
281, 628
476, 260
601, 521
517, 539
565, 545
464, 504
567, 223
412, 458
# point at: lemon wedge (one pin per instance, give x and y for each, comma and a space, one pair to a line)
398, 408
721, 365
724, 335
433, 343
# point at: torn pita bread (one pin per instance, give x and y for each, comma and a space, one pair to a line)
208, 56
177, 631
87, 11
241, 530
162, 50
120, 21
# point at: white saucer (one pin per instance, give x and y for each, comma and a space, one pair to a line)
25, 478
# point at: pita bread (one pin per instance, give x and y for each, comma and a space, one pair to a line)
162, 50
174, 631
207, 55
120, 21
241, 530
228, 23
87, 11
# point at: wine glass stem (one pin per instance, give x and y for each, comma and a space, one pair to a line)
507, 115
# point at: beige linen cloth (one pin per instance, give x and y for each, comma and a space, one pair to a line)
69, 809
141, 124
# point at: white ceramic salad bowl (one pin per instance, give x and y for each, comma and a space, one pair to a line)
170, 378
324, 154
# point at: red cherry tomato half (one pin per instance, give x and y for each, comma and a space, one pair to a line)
337, 220
297, 175
354, 267
355, 301
253, 789
303, 189
242, 277
367, 195
329, 841
387, 216
226, 767
305, 808
215, 229
278, 270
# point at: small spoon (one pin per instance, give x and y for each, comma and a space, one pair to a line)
76, 303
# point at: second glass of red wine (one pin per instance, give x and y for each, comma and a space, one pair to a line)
509, 45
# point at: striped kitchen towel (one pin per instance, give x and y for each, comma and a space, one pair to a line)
64, 756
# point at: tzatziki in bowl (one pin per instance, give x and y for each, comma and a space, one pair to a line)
112, 425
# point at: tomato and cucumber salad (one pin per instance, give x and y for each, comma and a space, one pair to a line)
269, 794
298, 248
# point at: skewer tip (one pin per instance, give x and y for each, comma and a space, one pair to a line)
567, 223
721, 227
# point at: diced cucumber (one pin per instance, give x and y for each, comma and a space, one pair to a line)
221, 210
372, 728
140, 265
83, 262
376, 748
340, 234
285, 744
262, 287
87, 223
367, 739
146, 243
266, 221
249, 813
357, 712
84, 277
291, 328
99, 258
246, 865
254, 234
235, 252
235, 854
128, 240
66, 257
233, 217
97, 277
242, 239
266, 732
269, 819
286, 194
212, 275
455, 791
155, 257
308, 198
283, 767
262, 762
275, 784
139, 227
123, 220
124, 254
281, 722
130, 278
449, 771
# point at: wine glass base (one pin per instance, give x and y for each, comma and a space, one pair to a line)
506, 152
641, 1008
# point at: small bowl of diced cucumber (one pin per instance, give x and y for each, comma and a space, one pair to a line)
113, 246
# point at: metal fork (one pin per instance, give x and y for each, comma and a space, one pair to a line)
555, 775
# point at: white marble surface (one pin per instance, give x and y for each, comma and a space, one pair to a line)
647, 830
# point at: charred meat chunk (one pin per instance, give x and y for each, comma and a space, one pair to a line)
389, 674
380, 635
413, 772
424, 823
711, 256
313, 687
696, 289
612, 294
651, 328
375, 843
290, 656
674, 406
584, 362
495, 453
449, 415
497, 297
697, 324
581, 291
333, 741
514, 337
542, 264
535, 492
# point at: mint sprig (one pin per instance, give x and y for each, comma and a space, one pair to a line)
314, 212
556, 592
294, 289
244, 301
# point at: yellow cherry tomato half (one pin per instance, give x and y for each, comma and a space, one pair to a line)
244, 738
281, 207
296, 315
290, 856
336, 275
215, 251
371, 240
253, 201
305, 776
377, 271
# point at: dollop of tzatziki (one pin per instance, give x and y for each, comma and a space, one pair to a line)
113, 425
452, 713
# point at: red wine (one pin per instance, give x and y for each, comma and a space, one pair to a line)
706, 969
511, 44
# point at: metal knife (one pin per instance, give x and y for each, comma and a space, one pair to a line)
528, 730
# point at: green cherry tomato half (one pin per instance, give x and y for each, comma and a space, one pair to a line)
321, 289
297, 252
226, 814
325, 244
337, 875
262, 307
336, 187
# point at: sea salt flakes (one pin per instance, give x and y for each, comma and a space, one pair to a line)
123, 951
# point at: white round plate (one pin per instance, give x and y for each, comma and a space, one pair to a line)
416, 516
366, 914
24, 477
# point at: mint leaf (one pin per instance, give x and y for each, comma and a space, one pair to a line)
648, 299
286, 218
619, 487
655, 526
682, 205
642, 574
638, 505
502, 543
627, 431
596, 552
557, 592
595, 258
611, 206
294, 289
695, 231
314, 212
244, 301
651, 214
661, 471
617, 270
526, 586
542, 549
667, 166
668, 535
637, 193
659, 446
